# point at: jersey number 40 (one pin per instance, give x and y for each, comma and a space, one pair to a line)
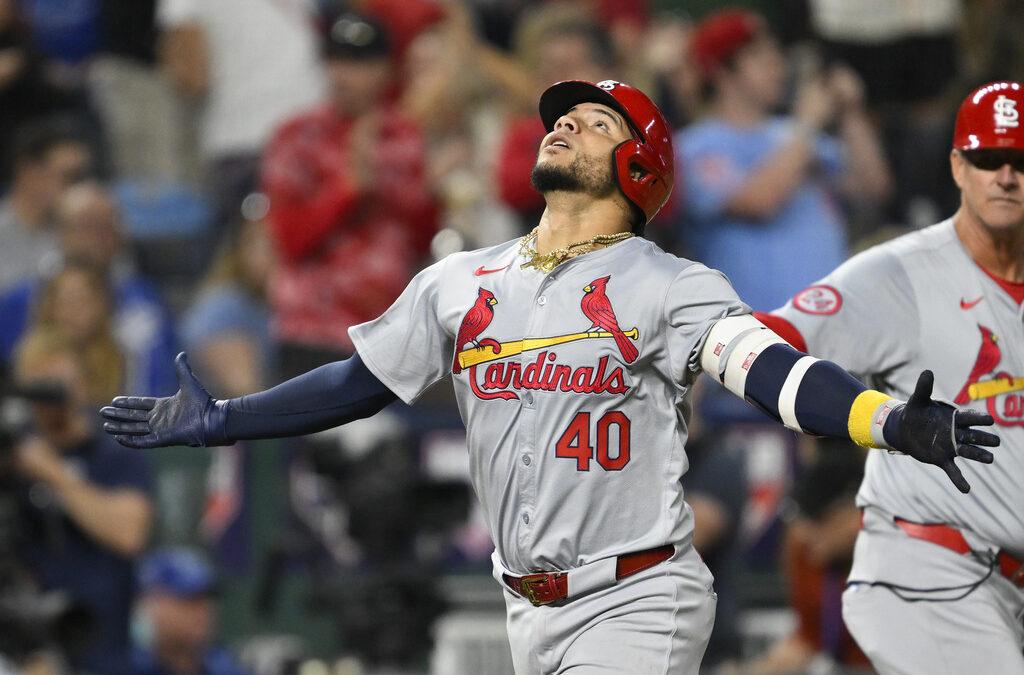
574, 442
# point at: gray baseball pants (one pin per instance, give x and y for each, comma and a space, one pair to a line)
978, 633
656, 622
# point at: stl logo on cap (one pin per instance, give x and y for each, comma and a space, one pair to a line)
1005, 111
608, 85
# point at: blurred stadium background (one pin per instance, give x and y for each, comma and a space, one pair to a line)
245, 179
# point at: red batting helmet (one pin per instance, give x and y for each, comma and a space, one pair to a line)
990, 118
650, 149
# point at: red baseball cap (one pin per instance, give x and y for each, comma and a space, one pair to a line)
720, 35
990, 118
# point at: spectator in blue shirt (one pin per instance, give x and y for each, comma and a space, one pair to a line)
226, 331
177, 611
759, 191
87, 502
89, 230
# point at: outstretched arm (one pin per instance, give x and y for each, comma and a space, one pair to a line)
326, 397
819, 397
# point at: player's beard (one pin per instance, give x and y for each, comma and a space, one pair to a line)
584, 174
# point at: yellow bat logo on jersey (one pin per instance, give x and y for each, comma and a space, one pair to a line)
474, 356
545, 373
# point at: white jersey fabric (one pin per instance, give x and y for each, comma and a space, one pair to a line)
264, 66
881, 21
920, 302
576, 441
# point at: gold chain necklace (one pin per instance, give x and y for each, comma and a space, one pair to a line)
549, 261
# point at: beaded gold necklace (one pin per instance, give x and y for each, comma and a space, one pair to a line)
549, 261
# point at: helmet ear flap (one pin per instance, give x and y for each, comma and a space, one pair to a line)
642, 190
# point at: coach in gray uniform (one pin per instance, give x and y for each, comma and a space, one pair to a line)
572, 352
936, 584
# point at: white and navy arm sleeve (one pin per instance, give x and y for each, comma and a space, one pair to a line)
804, 393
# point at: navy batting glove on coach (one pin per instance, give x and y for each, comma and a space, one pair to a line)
190, 417
935, 433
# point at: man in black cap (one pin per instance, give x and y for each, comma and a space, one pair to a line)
350, 210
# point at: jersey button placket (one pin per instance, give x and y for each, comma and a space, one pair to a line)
527, 476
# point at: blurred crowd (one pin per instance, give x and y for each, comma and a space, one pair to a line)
245, 179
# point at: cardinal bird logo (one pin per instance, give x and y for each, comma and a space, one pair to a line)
475, 322
598, 309
988, 358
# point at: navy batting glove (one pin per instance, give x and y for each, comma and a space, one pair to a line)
935, 433
190, 417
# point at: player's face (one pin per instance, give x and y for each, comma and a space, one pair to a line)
90, 229
760, 70
356, 85
576, 155
52, 419
181, 621
79, 306
991, 189
65, 165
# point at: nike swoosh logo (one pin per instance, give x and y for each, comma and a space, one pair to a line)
480, 271
964, 304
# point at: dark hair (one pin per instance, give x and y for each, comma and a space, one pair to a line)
101, 357
34, 140
602, 52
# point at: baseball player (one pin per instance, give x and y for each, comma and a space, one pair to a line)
572, 352
936, 584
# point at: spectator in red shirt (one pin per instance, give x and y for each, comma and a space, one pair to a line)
350, 210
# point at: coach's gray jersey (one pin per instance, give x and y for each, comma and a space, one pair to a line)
920, 302
572, 385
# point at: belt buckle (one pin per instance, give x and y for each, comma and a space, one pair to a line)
1017, 579
538, 588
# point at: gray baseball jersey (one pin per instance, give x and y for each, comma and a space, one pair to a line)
920, 302
572, 385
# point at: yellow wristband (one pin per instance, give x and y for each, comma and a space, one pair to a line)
862, 416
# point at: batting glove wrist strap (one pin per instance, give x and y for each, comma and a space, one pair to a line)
891, 429
215, 418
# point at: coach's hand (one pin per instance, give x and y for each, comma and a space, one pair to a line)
935, 433
190, 417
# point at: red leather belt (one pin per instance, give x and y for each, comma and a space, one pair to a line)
951, 538
544, 588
